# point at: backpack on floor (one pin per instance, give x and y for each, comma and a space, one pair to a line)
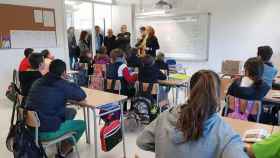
111, 135
144, 105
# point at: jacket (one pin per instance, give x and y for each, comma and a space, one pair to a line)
123, 41
269, 73
248, 93
48, 97
152, 46
150, 74
110, 43
218, 140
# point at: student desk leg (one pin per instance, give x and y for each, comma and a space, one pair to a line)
123, 130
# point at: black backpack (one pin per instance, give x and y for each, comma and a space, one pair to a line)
144, 105
20, 139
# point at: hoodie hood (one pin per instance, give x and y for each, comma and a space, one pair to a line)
177, 136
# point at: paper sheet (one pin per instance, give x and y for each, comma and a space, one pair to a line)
49, 20
38, 16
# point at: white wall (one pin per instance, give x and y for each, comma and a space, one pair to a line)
237, 28
121, 15
10, 58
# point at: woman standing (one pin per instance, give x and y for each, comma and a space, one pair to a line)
72, 46
152, 44
83, 42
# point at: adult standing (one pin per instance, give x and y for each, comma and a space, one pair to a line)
152, 44
83, 42
99, 39
110, 41
123, 39
73, 47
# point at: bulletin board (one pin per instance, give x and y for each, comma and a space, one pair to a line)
26, 26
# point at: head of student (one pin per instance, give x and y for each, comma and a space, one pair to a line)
117, 55
254, 70
58, 68
142, 30
148, 60
103, 51
203, 102
123, 29
28, 51
47, 54
160, 56
265, 53
36, 61
84, 35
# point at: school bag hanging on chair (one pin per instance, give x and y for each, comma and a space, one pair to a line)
237, 113
110, 135
20, 139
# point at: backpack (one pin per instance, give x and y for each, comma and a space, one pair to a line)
110, 135
21, 141
144, 105
108, 118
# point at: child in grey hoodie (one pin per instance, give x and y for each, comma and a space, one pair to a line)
194, 130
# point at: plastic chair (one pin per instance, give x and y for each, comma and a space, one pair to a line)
32, 120
244, 106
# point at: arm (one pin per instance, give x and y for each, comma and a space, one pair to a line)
267, 148
129, 78
125, 38
234, 148
73, 91
146, 140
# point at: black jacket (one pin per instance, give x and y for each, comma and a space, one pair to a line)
110, 43
48, 97
123, 41
249, 93
152, 46
150, 74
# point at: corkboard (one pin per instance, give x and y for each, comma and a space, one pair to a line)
15, 17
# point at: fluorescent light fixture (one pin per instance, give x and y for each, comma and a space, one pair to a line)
157, 12
70, 3
162, 4
103, 1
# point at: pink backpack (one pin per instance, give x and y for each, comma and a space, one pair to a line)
237, 114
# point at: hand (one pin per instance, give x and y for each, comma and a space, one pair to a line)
249, 150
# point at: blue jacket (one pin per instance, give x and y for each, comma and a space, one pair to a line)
48, 97
218, 140
269, 73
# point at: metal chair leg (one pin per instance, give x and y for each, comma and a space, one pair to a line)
76, 147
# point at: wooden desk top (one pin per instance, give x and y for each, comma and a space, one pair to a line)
273, 96
97, 98
242, 126
172, 82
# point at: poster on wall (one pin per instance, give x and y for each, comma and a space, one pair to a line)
38, 16
33, 39
5, 41
48, 17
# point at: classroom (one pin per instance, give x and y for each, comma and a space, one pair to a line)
140, 78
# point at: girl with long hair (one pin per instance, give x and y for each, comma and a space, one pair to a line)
194, 130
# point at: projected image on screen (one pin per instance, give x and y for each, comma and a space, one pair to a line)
183, 37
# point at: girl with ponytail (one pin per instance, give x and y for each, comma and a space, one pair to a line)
194, 129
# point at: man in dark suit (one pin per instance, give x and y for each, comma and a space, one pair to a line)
110, 41
99, 39
123, 39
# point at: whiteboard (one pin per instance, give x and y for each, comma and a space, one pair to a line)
181, 37
33, 39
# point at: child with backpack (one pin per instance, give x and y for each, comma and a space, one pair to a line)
118, 70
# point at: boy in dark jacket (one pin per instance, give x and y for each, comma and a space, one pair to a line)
48, 97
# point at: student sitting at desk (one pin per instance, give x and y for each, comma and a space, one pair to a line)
267, 148
160, 63
48, 97
270, 72
24, 64
149, 73
251, 86
118, 70
194, 129
28, 77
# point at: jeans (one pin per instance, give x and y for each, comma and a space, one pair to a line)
73, 60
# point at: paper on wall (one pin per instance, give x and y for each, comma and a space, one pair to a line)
38, 16
48, 17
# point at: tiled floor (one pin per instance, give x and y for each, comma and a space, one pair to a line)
86, 151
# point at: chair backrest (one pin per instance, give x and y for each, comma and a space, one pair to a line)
225, 84
231, 101
155, 89
31, 118
96, 82
100, 70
